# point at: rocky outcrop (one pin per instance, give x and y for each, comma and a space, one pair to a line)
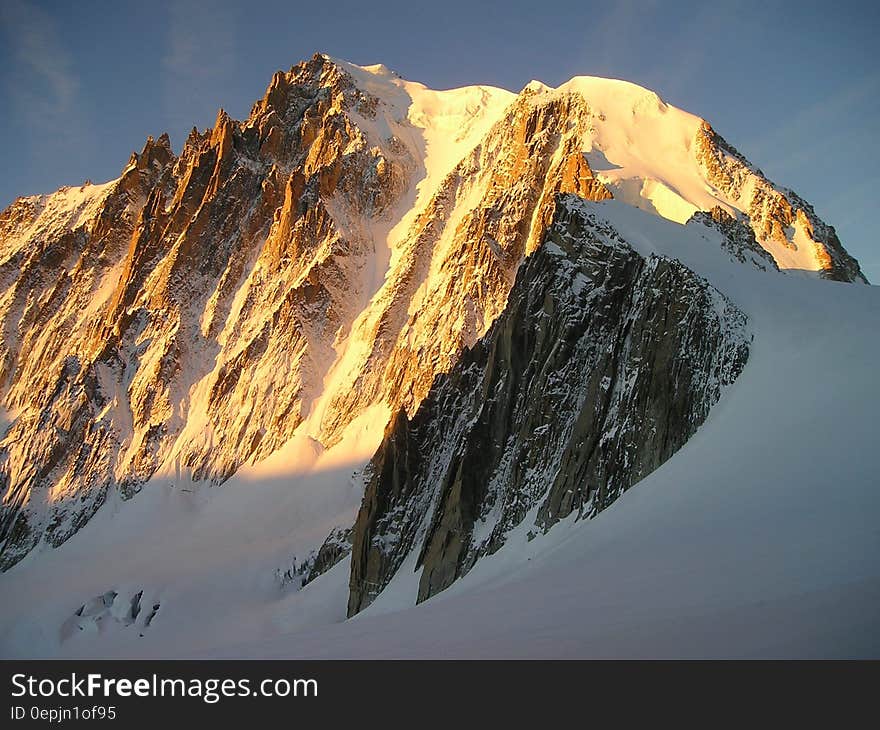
737, 238
602, 365
335, 548
110, 611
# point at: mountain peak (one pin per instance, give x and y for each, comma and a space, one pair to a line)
376, 69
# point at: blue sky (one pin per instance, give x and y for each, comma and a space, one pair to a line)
795, 86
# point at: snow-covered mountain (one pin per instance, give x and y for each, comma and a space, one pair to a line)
269, 311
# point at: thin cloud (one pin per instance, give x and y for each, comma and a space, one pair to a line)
616, 37
824, 111
688, 53
200, 55
43, 87
612, 34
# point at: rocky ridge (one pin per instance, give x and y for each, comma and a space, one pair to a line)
781, 220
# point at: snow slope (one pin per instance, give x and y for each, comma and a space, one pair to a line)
641, 147
758, 538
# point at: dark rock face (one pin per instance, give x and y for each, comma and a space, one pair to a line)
602, 365
336, 547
